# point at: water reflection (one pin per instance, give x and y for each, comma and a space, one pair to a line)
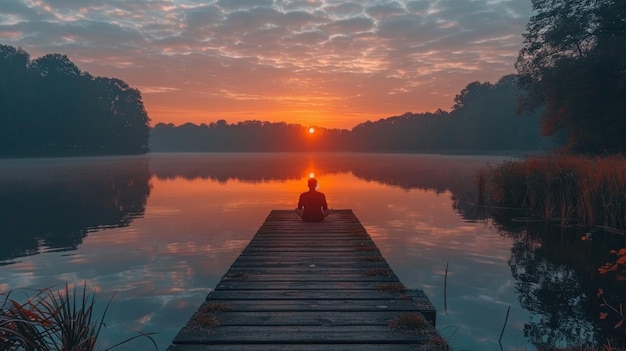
558, 281
51, 204
429, 172
438, 173
160, 230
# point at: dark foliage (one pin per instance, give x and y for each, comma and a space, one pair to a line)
48, 106
483, 119
573, 64
243, 136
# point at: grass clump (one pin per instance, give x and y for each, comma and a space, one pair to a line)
206, 317
54, 320
214, 308
590, 191
415, 323
410, 322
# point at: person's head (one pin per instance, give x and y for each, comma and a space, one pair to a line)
312, 183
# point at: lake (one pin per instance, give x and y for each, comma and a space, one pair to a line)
155, 233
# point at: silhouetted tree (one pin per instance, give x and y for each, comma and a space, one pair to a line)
573, 63
483, 118
51, 107
14, 92
128, 123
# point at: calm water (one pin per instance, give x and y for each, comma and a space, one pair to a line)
160, 230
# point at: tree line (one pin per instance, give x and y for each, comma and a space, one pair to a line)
484, 118
48, 106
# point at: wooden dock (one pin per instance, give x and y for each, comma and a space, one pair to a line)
311, 286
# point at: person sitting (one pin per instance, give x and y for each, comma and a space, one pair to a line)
312, 206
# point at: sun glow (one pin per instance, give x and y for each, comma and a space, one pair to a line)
311, 130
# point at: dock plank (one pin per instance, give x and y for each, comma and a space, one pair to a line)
311, 286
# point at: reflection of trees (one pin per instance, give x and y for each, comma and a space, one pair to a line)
555, 296
437, 173
54, 204
558, 280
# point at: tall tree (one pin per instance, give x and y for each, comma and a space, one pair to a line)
573, 63
48, 106
128, 122
14, 90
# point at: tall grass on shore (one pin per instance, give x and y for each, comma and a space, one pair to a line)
61, 320
571, 189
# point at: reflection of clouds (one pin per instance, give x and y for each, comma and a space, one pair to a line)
145, 319
78, 259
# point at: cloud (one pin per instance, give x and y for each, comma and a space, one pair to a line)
379, 11
244, 4
368, 59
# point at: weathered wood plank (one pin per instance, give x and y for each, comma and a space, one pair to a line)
317, 285
311, 286
297, 334
321, 255
303, 318
306, 294
334, 305
251, 264
311, 271
309, 278
305, 347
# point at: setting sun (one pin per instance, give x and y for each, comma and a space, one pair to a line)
311, 130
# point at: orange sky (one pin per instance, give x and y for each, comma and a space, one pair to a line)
315, 62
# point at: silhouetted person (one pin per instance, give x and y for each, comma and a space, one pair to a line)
312, 206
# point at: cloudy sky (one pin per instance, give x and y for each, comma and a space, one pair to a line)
320, 62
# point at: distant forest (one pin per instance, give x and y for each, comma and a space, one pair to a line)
48, 107
483, 119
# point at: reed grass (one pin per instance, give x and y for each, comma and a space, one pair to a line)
587, 191
61, 320
19, 326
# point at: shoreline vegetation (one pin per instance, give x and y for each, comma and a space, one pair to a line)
573, 190
51, 319
569, 190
